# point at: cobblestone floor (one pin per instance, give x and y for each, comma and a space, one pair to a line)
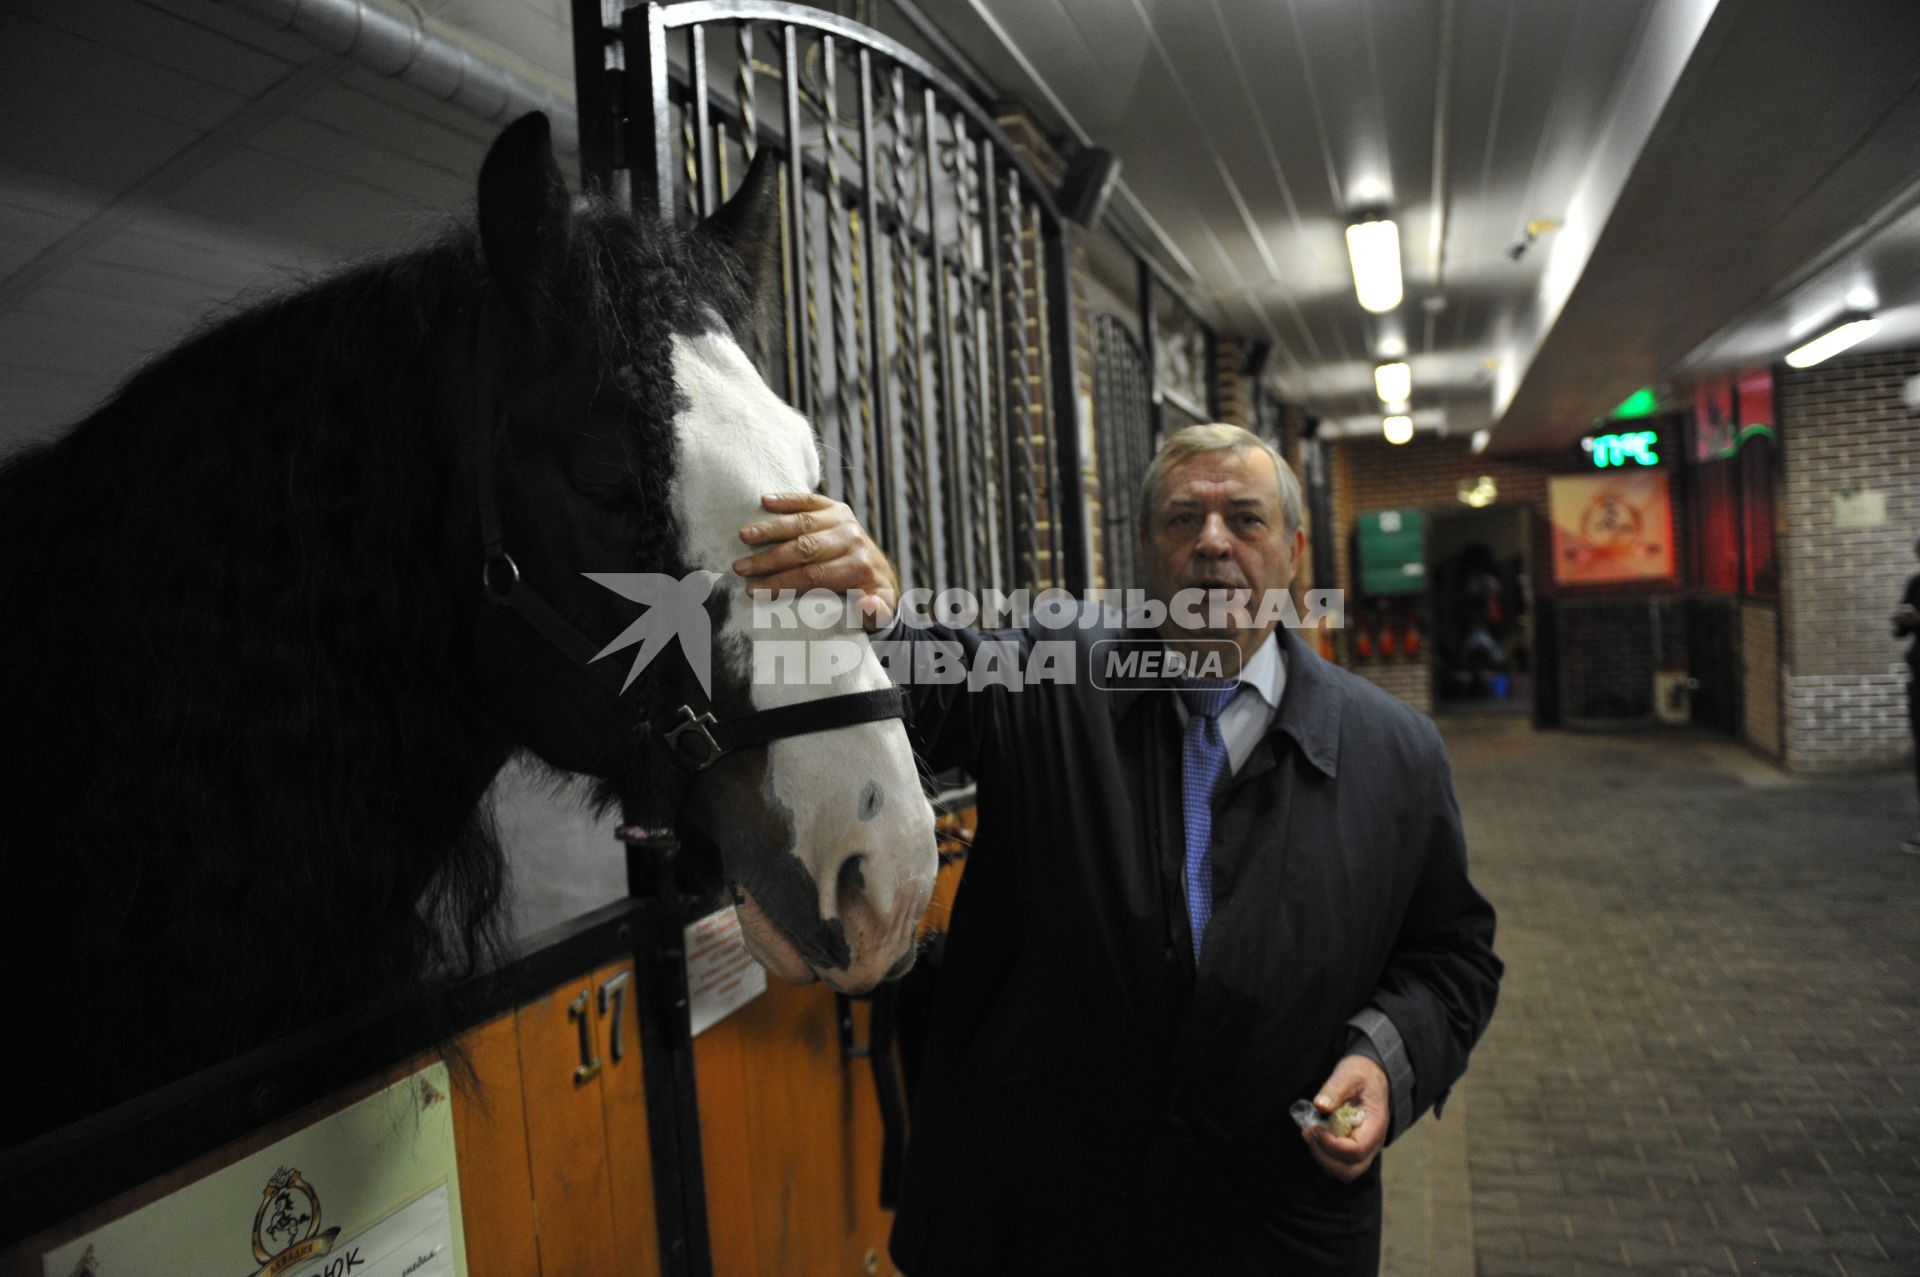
1707, 1053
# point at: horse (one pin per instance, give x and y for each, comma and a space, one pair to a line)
283, 606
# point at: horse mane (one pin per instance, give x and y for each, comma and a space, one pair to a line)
245, 745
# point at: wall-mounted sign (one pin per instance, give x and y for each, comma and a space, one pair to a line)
372, 1190
1612, 527
1641, 403
1855, 508
1631, 448
722, 976
1393, 552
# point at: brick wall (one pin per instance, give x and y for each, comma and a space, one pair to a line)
1760, 675
1844, 430
1034, 346
1411, 681
1615, 651
1232, 391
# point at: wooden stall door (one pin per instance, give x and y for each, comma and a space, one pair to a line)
553, 1152
791, 1137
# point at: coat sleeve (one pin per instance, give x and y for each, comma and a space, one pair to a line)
1441, 981
965, 687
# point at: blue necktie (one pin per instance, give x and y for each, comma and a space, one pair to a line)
1203, 765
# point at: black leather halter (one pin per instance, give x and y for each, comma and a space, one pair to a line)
695, 738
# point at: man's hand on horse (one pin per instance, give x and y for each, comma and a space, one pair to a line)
1355, 1080
812, 542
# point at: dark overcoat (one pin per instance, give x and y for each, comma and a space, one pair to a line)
1086, 1103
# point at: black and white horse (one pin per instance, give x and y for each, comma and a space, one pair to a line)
270, 633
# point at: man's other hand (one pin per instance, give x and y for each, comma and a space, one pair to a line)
1355, 1080
812, 542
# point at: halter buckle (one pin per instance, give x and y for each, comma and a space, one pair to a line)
692, 740
496, 594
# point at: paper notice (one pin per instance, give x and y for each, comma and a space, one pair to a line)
722, 976
1860, 510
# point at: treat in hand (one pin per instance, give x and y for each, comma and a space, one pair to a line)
1342, 1122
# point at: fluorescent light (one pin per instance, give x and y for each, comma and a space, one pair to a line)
1397, 429
1373, 247
1833, 341
1392, 346
1393, 383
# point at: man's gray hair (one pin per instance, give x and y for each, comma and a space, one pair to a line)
1218, 436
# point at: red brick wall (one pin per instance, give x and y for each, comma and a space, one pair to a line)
1843, 428
1760, 675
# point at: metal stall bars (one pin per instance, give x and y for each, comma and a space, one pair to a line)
1123, 405
929, 336
928, 300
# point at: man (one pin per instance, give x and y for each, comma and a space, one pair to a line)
1906, 621
1177, 919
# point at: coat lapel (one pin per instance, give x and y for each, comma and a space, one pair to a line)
1259, 929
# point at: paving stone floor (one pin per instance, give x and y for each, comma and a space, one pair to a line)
1707, 1053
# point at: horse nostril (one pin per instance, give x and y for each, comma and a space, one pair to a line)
852, 879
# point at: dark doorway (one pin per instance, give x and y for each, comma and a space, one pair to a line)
1479, 572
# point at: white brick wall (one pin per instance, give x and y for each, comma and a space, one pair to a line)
1846, 720
1843, 428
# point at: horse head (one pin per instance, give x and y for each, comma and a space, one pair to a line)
628, 432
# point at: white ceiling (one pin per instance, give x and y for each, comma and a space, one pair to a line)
1249, 130
158, 157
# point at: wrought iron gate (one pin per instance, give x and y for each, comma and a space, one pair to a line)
928, 335
1123, 406
928, 304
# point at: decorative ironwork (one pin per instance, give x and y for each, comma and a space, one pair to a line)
921, 249
1123, 407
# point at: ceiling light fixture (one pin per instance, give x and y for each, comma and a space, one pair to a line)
1393, 382
1851, 330
1398, 428
1373, 246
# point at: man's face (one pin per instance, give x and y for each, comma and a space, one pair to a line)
1216, 524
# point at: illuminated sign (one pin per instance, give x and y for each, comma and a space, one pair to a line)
1633, 447
1641, 403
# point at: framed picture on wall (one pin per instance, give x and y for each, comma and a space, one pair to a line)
1613, 527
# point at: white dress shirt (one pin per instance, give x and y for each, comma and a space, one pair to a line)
1244, 721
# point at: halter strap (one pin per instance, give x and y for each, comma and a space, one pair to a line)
698, 741
694, 738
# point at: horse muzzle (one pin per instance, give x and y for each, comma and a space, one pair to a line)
863, 932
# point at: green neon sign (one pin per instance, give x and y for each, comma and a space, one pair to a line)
1634, 447
1641, 403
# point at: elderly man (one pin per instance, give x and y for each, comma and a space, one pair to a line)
1186, 908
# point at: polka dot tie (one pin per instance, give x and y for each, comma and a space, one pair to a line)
1203, 766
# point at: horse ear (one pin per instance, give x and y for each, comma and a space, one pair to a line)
524, 215
747, 229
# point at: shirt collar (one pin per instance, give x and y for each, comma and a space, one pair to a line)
1309, 699
1266, 671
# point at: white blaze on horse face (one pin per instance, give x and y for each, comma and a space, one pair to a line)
854, 792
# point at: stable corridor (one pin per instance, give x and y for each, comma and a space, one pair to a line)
1707, 1053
